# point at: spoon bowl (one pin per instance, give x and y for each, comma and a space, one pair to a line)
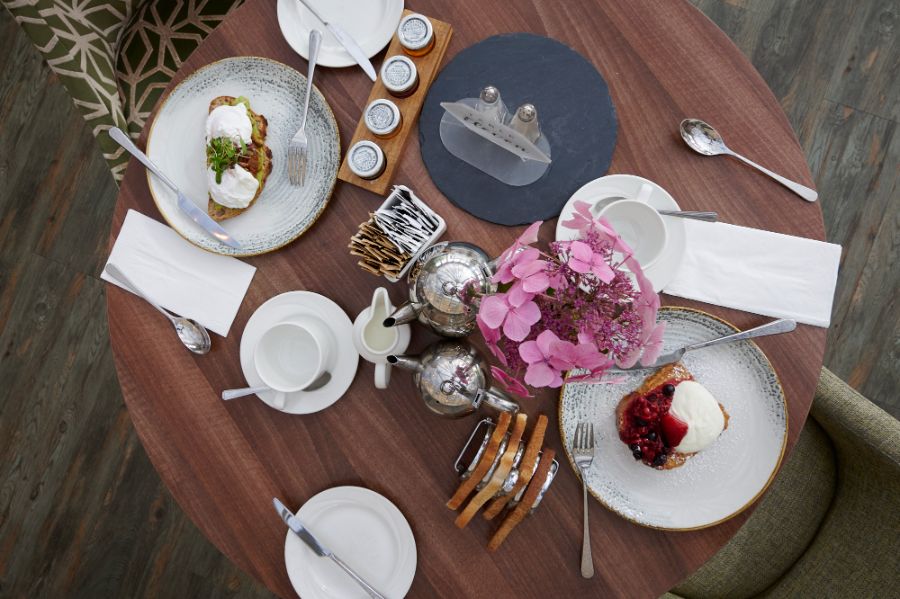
702, 137
194, 336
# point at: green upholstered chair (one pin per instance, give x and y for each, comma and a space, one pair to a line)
115, 57
830, 524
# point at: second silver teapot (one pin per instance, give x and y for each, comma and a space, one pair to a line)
445, 284
454, 380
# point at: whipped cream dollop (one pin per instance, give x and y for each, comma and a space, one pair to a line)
231, 122
696, 407
237, 188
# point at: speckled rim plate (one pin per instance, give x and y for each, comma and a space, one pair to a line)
719, 482
176, 142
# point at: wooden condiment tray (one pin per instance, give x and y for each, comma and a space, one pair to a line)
427, 67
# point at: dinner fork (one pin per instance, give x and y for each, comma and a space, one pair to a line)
583, 452
298, 150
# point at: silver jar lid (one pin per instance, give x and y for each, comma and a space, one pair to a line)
415, 31
382, 117
366, 159
398, 74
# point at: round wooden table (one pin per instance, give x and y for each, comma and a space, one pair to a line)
224, 462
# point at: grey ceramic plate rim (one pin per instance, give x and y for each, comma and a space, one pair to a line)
221, 248
776, 468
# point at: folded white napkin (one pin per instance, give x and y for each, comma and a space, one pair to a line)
758, 271
178, 275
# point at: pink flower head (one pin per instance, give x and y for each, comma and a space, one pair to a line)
511, 384
581, 217
547, 356
515, 311
534, 275
653, 344
491, 339
505, 269
512, 254
582, 259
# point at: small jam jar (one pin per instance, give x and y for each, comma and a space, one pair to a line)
399, 76
416, 34
382, 118
366, 159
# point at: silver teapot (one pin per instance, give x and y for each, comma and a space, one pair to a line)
454, 380
439, 283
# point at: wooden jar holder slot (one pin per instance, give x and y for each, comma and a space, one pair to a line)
427, 67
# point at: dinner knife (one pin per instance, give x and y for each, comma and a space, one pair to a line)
776, 327
313, 543
186, 206
346, 41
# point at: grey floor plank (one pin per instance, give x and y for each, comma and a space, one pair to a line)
83, 513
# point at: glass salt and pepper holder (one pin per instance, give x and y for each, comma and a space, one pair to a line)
525, 121
491, 104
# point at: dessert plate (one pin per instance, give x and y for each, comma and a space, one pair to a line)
365, 530
176, 142
661, 272
371, 24
282, 307
720, 481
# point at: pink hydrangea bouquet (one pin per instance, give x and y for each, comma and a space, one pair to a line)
575, 307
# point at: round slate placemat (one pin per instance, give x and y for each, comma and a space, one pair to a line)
575, 111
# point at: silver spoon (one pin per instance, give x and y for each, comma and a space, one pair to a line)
694, 214
193, 335
320, 382
704, 139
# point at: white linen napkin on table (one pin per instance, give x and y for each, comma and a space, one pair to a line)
178, 275
758, 271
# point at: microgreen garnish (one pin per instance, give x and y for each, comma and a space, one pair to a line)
222, 154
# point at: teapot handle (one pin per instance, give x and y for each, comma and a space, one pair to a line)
497, 401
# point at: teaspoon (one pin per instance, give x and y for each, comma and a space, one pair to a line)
193, 335
704, 139
320, 382
707, 216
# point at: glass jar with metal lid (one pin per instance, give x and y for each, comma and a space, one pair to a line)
416, 34
366, 159
399, 76
382, 118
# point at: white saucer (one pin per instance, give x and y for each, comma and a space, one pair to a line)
371, 24
365, 530
661, 272
282, 307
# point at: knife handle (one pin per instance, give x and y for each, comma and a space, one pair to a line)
369, 589
120, 138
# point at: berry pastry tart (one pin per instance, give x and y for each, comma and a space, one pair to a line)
669, 418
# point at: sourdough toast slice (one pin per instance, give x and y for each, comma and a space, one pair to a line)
257, 159
673, 374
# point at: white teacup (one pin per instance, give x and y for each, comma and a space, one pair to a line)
293, 354
640, 226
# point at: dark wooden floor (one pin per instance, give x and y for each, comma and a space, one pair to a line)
82, 512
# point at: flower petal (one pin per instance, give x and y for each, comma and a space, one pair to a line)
540, 374
493, 310
530, 235
530, 352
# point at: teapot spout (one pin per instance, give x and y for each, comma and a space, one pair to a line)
412, 363
407, 312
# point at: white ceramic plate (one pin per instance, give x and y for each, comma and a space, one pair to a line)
283, 307
720, 481
177, 144
371, 23
662, 270
367, 531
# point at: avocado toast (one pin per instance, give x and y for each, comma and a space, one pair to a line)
255, 157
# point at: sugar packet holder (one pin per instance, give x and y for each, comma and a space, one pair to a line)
405, 222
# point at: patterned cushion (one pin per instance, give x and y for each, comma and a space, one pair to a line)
116, 56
